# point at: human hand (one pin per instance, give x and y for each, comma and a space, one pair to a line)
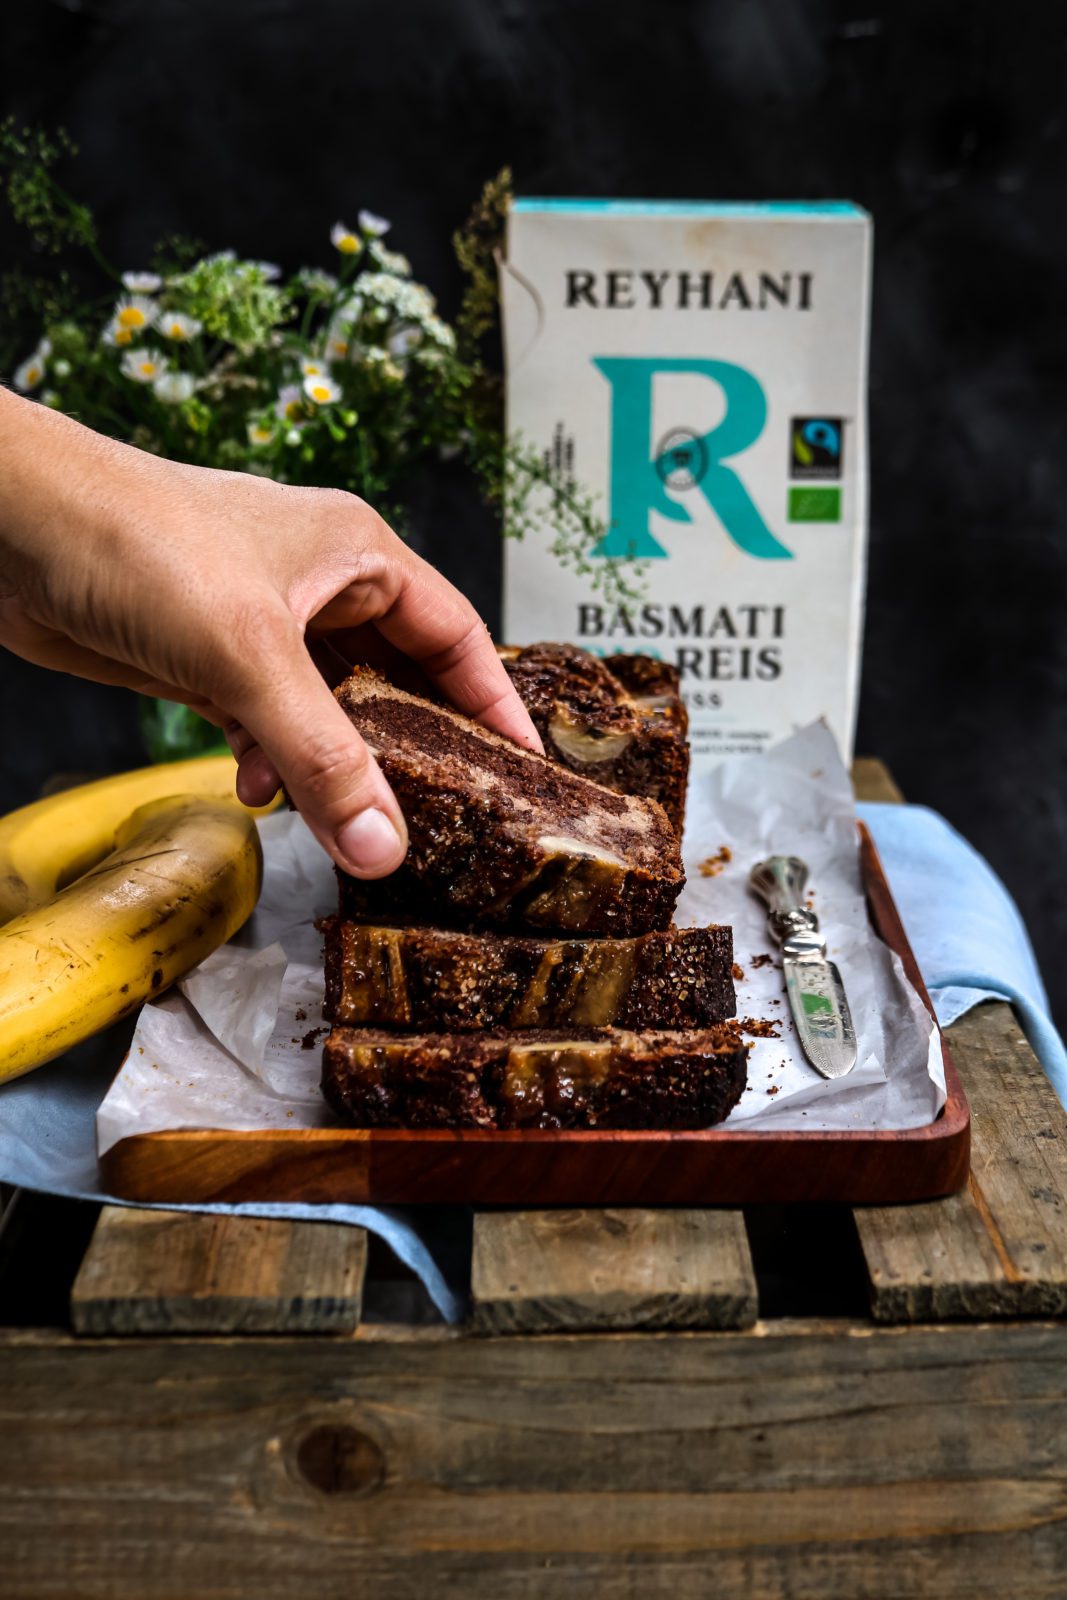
215, 589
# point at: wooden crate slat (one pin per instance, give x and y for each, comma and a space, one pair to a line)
625, 1268
999, 1248
817, 1461
155, 1272
872, 780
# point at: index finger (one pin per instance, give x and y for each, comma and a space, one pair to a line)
436, 626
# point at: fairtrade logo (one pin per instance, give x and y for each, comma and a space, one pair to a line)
815, 447
683, 459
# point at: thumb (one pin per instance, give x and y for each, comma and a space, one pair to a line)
329, 773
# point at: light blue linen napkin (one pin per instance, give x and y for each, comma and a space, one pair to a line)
969, 939
48, 1143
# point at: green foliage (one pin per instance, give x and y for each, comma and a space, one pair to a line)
347, 378
36, 202
534, 497
233, 299
537, 497
479, 247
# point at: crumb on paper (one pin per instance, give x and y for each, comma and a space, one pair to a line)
713, 865
773, 1089
311, 1038
764, 959
738, 973
301, 1014
760, 1027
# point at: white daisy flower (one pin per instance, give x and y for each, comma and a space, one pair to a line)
322, 390
289, 406
135, 312
50, 398
174, 387
293, 436
143, 366
314, 367
342, 325
142, 282
61, 369
404, 341
116, 336
259, 433
270, 271
176, 325
373, 225
338, 347
342, 238
44, 348
30, 373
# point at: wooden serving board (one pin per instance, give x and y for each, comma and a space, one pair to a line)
719, 1166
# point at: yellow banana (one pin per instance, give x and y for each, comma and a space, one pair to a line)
47, 845
185, 876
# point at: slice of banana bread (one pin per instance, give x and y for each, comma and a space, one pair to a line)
548, 1078
620, 720
501, 836
427, 978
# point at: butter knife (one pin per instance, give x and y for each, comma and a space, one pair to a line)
816, 993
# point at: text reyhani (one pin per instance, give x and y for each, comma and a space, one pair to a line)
619, 289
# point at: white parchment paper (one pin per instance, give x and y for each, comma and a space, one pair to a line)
239, 1046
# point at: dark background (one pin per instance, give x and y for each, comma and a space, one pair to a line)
256, 123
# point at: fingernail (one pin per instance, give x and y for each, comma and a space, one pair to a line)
370, 843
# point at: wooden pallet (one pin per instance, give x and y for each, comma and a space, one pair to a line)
808, 1402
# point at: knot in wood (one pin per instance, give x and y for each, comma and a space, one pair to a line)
337, 1459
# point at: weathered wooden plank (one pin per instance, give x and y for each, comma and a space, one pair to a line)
999, 1248
818, 1462
872, 780
538, 1270
177, 1272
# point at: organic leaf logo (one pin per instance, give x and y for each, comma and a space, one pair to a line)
802, 451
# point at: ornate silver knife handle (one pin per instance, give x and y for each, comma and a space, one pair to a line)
816, 993
780, 882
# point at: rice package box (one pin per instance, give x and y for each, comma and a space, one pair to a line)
698, 371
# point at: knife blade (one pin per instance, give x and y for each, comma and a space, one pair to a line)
816, 993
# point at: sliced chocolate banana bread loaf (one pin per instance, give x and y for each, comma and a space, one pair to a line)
426, 978
501, 836
541, 1079
620, 720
